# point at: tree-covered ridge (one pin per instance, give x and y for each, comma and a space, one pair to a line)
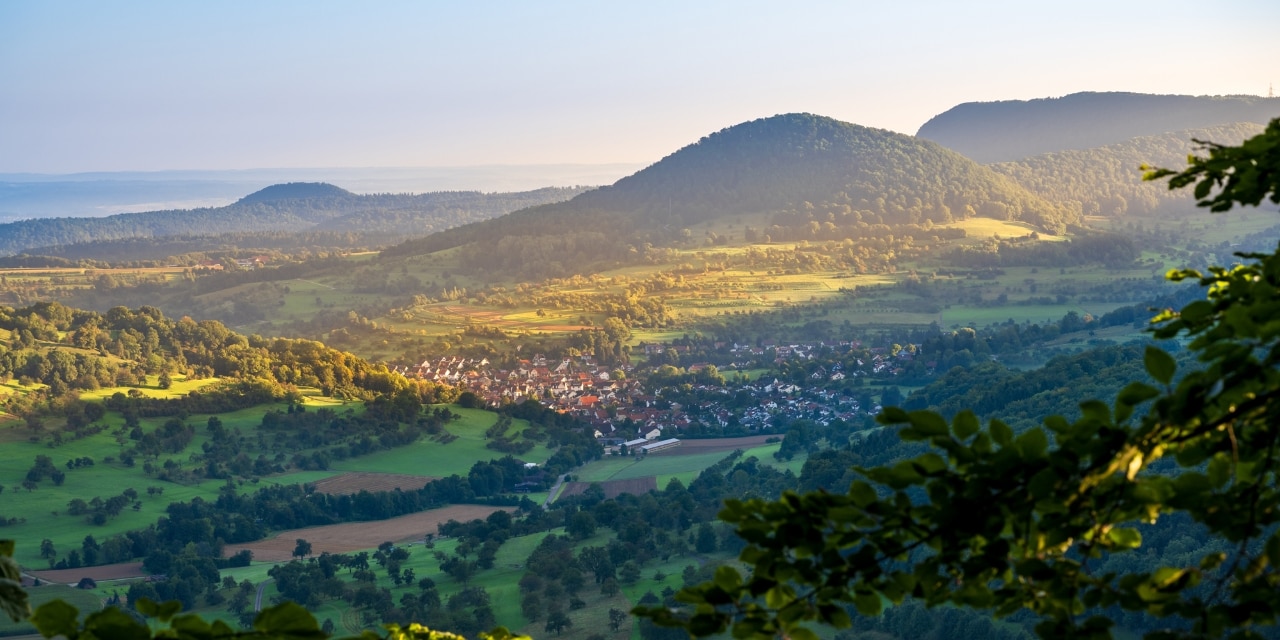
770, 163
1013, 129
778, 165
70, 349
379, 217
296, 191
1108, 180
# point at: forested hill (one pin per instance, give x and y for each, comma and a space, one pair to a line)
776, 165
1108, 180
296, 191
1015, 129
297, 207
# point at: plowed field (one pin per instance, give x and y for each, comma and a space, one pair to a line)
711, 445
101, 572
355, 482
352, 536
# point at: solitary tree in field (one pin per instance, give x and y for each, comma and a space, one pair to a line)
557, 622
303, 549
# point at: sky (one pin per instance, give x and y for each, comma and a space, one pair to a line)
151, 86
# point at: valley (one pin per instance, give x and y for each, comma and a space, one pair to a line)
437, 406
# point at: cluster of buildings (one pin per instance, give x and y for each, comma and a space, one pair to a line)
621, 410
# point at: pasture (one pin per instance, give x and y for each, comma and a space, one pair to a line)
674, 464
431, 458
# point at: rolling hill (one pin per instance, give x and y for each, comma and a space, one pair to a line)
1013, 129
781, 166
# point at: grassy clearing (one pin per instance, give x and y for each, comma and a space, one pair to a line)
45, 508
1043, 314
989, 228
427, 457
667, 467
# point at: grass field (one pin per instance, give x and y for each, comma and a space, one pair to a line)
427, 457
668, 467
42, 512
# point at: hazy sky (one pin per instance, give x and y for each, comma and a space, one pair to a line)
107, 86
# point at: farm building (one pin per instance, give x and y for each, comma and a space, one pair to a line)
660, 445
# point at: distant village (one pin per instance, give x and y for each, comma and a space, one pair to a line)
622, 411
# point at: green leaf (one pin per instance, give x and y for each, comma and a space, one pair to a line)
1196, 311
867, 603
13, 600
1095, 410
113, 624
1212, 561
287, 618
1219, 471
1125, 538
893, 415
1135, 393
56, 618
1033, 443
1001, 433
161, 612
861, 493
728, 579
928, 423
965, 424
1159, 364
801, 633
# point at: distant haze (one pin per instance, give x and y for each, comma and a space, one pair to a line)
25, 196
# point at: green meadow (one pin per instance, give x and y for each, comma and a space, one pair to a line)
665, 468
431, 458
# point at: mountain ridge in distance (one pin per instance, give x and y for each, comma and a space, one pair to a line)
377, 218
1010, 130
295, 191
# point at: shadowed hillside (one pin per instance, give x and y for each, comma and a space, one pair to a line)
1015, 129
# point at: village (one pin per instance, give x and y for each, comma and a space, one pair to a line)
627, 411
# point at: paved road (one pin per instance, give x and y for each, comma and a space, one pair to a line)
559, 481
257, 601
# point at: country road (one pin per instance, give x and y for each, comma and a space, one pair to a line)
554, 489
257, 601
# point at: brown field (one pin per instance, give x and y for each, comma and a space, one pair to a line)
101, 572
355, 482
352, 536
612, 488
711, 445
